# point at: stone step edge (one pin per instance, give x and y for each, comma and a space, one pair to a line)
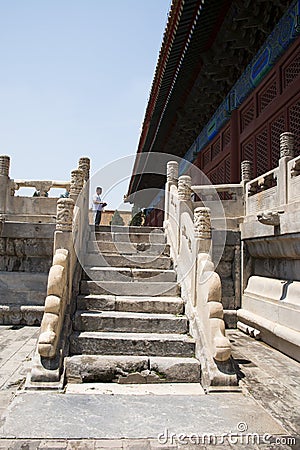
130, 315
145, 229
139, 255
133, 336
132, 369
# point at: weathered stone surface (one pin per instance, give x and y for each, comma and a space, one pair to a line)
128, 274
215, 310
125, 288
21, 315
96, 368
130, 322
230, 318
156, 237
167, 305
56, 281
23, 288
176, 370
144, 248
136, 261
124, 229
132, 344
96, 302
52, 304
141, 304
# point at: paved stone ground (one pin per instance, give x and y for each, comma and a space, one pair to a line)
270, 402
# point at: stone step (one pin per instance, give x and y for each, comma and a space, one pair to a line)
129, 322
125, 229
155, 305
129, 248
151, 344
131, 369
151, 288
135, 261
129, 275
107, 236
22, 288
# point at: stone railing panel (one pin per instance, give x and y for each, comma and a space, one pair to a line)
262, 193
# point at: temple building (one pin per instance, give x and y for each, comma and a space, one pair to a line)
226, 86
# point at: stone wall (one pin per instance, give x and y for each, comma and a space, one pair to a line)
270, 234
26, 247
229, 271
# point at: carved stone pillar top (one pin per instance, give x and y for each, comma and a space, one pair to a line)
202, 224
77, 180
172, 172
64, 214
246, 170
287, 144
85, 164
4, 165
184, 188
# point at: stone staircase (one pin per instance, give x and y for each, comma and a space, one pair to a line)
129, 325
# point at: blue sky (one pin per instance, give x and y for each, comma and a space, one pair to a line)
75, 79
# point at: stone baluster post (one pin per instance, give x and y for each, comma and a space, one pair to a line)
172, 172
201, 245
246, 171
246, 175
286, 154
84, 164
184, 188
4, 182
172, 179
184, 203
77, 181
202, 228
287, 141
63, 238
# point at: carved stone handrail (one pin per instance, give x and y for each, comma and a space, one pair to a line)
262, 183
70, 236
233, 190
188, 232
55, 304
42, 186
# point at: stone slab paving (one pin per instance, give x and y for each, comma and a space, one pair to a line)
271, 378
97, 417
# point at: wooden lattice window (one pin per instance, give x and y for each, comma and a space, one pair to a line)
227, 171
262, 160
294, 122
292, 71
226, 137
277, 127
247, 115
266, 97
216, 148
206, 157
213, 177
248, 151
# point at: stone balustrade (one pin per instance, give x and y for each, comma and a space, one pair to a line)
188, 230
70, 236
40, 186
